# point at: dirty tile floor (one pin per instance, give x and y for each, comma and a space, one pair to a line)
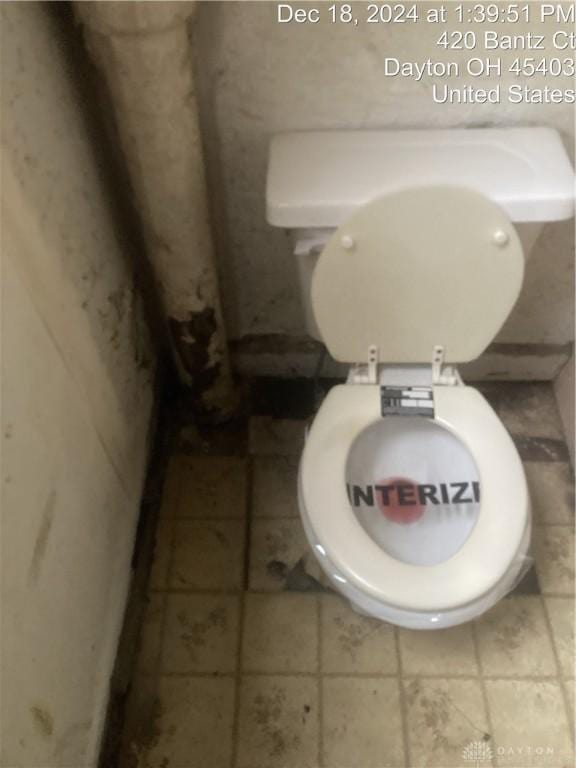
248, 660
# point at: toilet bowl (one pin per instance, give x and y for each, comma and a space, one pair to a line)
411, 491
485, 566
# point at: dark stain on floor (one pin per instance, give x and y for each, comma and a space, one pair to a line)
195, 633
299, 580
269, 711
528, 584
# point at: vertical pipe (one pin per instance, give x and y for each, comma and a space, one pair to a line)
143, 52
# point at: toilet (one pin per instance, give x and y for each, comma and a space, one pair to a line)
411, 249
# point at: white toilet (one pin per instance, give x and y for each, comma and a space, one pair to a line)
411, 491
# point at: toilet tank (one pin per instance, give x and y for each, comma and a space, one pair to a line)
316, 179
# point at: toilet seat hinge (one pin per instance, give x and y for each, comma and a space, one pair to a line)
373, 364
443, 374
365, 373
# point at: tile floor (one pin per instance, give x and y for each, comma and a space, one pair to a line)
247, 660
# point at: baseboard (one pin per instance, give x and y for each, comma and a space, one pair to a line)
291, 356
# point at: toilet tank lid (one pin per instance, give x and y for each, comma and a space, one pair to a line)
318, 178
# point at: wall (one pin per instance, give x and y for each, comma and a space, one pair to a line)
260, 77
77, 399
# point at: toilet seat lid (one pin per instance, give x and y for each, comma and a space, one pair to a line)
422, 267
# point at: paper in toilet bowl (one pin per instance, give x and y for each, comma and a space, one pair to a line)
414, 488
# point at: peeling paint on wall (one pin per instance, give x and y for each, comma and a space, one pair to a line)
196, 340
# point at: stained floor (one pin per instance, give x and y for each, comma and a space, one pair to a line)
248, 660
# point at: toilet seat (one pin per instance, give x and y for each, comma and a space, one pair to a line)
487, 554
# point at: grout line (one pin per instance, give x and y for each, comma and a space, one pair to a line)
217, 518
565, 595
545, 524
402, 695
158, 656
207, 518
482, 679
242, 608
237, 590
280, 591
319, 636
534, 678
169, 521
230, 674
554, 526
169, 568
565, 682
564, 694
170, 563
171, 495
360, 675
248, 523
205, 592
237, 687
166, 520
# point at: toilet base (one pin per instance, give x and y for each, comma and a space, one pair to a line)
360, 611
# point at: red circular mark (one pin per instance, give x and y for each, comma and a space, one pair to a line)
397, 498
